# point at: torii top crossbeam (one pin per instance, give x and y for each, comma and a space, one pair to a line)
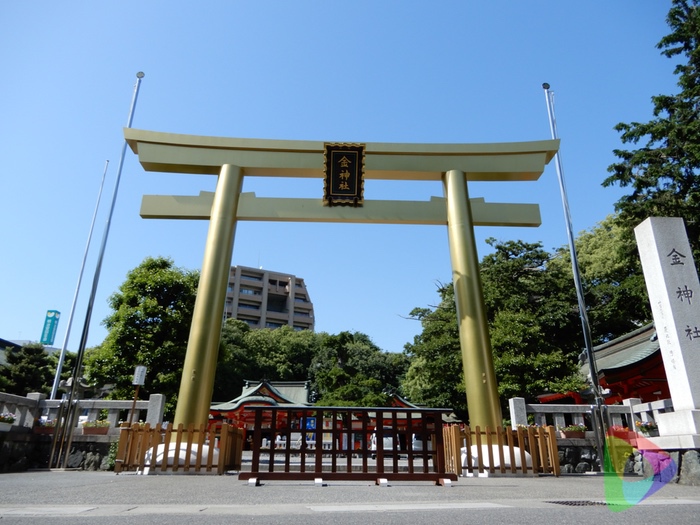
167, 152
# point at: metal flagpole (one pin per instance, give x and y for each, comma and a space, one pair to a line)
70, 420
599, 409
62, 357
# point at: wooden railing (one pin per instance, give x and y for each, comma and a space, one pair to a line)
332, 443
192, 450
526, 449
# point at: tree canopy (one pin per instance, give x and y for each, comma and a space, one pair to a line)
612, 278
149, 325
435, 377
350, 370
279, 354
534, 327
28, 370
663, 172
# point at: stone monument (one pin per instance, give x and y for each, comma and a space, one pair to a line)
674, 293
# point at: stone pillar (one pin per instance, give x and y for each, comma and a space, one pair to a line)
674, 294
197, 384
34, 412
156, 408
477, 359
518, 412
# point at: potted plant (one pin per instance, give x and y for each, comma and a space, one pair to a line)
6, 421
44, 426
573, 431
619, 431
647, 428
96, 426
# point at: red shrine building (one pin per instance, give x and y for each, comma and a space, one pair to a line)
630, 366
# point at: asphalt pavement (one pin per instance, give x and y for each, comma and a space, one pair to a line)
63, 496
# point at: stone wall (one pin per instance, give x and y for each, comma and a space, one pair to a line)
20, 451
581, 459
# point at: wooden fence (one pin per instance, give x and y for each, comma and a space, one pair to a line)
347, 443
501, 450
192, 450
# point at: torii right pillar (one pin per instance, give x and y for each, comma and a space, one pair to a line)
477, 357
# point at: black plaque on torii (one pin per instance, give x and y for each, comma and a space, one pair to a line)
344, 167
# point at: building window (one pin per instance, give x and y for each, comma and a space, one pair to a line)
249, 291
251, 277
270, 324
249, 306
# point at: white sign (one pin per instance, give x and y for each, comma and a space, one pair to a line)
139, 375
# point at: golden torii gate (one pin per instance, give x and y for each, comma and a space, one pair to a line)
232, 159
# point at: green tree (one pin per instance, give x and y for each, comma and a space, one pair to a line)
349, 370
534, 329
663, 172
615, 290
28, 370
280, 354
435, 376
527, 362
69, 361
149, 325
235, 361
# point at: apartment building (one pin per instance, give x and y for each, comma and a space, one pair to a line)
266, 299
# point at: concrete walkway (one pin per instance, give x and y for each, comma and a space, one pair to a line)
83, 497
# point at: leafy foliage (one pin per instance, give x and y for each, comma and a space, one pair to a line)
435, 377
69, 361
28, 370
533, 328
349, 370
530, 303
663, 172
616, 295
280, 354
149, 326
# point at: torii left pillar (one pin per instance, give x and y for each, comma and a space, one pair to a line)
199, 369
477, 359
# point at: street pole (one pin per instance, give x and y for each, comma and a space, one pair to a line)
70, 421
599, 409
61, 359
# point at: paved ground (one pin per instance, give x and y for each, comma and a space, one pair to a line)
86, 497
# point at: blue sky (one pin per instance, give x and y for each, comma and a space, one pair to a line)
361, 71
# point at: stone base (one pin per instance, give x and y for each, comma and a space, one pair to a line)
688, 462
690, 469
678, 423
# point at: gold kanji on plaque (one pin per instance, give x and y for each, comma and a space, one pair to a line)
344, 166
